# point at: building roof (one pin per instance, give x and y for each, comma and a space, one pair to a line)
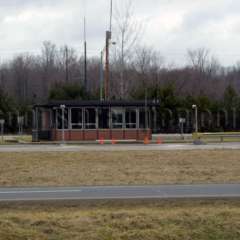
115, 103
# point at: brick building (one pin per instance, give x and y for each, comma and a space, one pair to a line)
94, 120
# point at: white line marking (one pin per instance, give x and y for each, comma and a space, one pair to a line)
39, 191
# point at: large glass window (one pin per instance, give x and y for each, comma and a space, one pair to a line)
131, 118
77, 118
117, 118
103, 118
90, 118
60, 118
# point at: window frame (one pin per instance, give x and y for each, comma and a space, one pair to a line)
130, 123
76, 124
84, 119
123, 119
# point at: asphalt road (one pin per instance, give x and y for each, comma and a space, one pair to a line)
117, 147
121, 192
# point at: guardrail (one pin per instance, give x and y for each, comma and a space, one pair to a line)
221, 137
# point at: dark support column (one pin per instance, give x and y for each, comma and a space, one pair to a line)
110, 122
35, 137
138, 123
155, 119
97, 123
33, 119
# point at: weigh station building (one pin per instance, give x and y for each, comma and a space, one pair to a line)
94, 120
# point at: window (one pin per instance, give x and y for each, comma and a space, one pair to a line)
90, 118
117, 118
77, 118
131, 118
59, 118
103, 118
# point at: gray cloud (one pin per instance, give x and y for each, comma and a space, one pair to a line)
172, 26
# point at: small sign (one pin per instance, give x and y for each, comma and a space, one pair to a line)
182, 120
20, 120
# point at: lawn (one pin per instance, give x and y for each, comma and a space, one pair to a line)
119, 168
195, 220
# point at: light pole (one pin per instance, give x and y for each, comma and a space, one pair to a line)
62, 107
196, 117
107, 70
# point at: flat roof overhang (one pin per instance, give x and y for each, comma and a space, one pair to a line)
79, 103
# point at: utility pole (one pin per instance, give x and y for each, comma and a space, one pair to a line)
85, 57
107, 70
111, 13
101, 76
66, 64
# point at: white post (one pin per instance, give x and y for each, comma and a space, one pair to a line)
20, 120
37, 135
63, 127
196, 117
182, 121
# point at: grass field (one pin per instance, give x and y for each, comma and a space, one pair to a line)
114, 168
196, 220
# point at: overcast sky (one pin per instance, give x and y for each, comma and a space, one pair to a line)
171, 26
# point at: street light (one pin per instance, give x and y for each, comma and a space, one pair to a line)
194, 107
62, 107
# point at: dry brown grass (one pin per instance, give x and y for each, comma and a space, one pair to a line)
197, 220
114, 168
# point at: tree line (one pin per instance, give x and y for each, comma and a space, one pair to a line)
137, 72
57, 73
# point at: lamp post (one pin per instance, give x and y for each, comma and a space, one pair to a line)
62, 107
194, 107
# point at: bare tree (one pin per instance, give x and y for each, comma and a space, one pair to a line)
206, 69
128, 31
148, 63
48, 60
199, 58
21, 68
67, 63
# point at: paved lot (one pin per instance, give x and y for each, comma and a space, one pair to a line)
120, 147
121, 192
